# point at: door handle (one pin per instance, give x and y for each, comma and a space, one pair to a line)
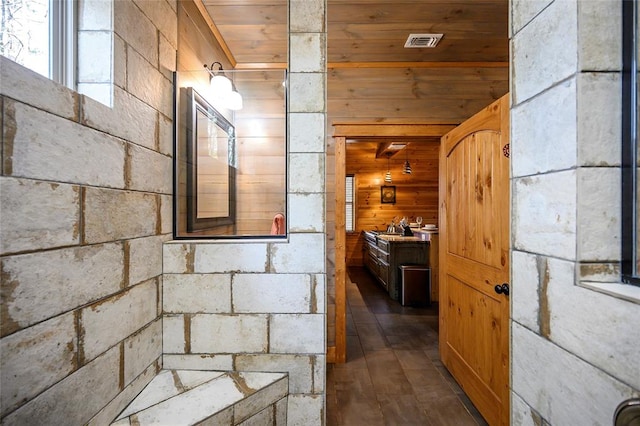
627, 413
502, 289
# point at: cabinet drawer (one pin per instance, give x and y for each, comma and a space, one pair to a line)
372, 264
369, 239
383, 256
384, 245
383, 273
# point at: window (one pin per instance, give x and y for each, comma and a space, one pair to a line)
350, 213
630, 149
63, 42
40, 35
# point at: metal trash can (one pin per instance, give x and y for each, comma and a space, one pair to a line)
415, 285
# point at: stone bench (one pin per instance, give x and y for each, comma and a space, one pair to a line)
186, 397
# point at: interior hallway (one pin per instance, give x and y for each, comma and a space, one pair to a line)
393, 374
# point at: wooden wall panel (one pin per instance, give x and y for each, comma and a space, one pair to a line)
445, 95
416, 194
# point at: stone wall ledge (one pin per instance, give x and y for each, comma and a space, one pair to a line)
197, 397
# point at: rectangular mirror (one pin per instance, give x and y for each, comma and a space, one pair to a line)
230, 165
211, 171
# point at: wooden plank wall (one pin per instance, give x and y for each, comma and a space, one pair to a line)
416, 194
426, 95
262, 162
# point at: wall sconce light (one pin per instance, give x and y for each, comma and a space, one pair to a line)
387, 176
223, 87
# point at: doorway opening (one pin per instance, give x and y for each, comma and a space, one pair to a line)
357, 133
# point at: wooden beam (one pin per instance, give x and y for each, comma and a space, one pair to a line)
262, 66
216, 33
336, 65
390, 130
389, 148
343, 121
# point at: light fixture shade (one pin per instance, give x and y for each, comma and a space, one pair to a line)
387, 177
233, 101
221, 85
407, 168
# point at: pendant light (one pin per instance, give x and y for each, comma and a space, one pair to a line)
406, 169
387, 177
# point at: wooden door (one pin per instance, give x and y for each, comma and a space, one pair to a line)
474, 258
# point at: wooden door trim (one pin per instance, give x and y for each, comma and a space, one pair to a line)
339, 354
342, 132
379, 130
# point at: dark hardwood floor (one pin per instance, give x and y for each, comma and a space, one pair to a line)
393, 374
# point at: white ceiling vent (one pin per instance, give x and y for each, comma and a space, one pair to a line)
422, 40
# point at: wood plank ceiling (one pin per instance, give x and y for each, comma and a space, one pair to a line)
372, 77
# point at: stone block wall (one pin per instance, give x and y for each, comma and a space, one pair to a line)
85, 208
269, 317
260, 305
85, 228
574, 335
